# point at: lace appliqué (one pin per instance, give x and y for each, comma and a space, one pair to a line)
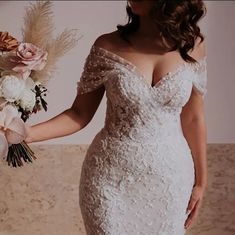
200, 76
94, 72
138, 172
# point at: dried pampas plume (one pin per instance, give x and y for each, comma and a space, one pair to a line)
56, 48
38, 29
38, 24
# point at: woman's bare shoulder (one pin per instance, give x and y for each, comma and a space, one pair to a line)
199, 50
107, 40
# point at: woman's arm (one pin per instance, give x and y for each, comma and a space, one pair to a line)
194, 129
194, 126
83, 108
70, 120
195, 132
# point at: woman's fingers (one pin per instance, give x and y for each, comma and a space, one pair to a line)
194, 205
193, 214
192, 202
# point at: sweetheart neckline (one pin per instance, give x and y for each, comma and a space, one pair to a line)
142, 77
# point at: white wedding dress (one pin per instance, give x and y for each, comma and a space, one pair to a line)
138, 172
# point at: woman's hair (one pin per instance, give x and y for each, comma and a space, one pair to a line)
177, 22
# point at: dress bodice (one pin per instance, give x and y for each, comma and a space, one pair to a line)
131, 102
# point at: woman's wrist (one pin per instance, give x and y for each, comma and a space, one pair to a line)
29, 136
201, 179
202, 185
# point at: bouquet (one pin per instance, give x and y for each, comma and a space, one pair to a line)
25, 68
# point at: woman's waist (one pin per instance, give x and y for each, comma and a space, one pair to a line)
140, 156
171, 137
142, 131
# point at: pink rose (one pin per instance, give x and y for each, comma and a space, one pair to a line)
28, 57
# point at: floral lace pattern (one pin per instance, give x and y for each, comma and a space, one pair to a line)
138, 172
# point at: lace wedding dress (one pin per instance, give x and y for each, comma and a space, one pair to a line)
138, 172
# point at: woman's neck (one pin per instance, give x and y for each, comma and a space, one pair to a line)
147, 28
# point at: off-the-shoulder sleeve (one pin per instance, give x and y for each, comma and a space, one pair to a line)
93, 74
200, 78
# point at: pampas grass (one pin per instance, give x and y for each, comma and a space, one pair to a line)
38, 24
56, 48
38, 29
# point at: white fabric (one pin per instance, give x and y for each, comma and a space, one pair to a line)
138, 172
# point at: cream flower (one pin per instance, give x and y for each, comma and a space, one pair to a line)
11, 87
27, 100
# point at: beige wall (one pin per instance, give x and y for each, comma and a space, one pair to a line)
105, 15
221, 71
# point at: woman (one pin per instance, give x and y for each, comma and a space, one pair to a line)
145, 171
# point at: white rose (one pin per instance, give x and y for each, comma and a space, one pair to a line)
11, 87
28, 99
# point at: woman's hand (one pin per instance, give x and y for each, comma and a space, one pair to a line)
194, 205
